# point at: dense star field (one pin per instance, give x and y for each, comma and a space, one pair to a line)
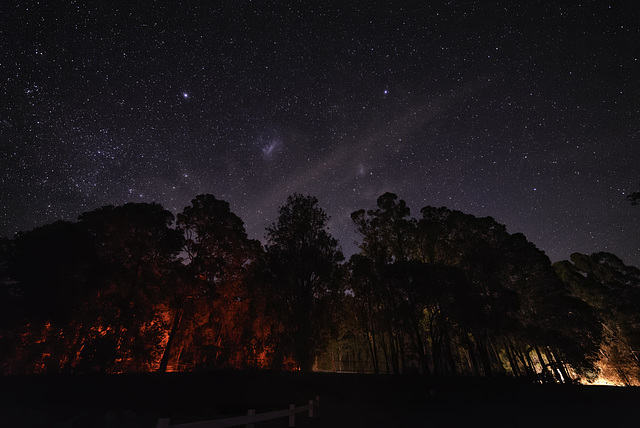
526, 112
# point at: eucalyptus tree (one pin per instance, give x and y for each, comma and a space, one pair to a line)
137, 250
387, 237
520, 310
215, 294
611, 290
303, 260
387, 232
49, 272
89, 289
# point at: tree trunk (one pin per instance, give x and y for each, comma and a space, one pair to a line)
449, 356
511, 357
386, 354
471, 352
545, 374
164, 362
393, 350
403, 362
531, 369
495, 356
563, 374
371, 338
483, 349
422, 355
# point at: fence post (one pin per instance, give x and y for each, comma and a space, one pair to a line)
251, 412
317, 402
311, 408
163, 423
292, 415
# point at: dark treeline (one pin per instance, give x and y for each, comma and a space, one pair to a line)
133, 289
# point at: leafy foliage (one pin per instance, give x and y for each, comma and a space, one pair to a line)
612, 290
216, 294
302, 258
634, 198
448, 293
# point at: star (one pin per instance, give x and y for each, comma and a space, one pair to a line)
297, 108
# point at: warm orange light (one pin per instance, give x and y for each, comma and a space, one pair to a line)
602, 381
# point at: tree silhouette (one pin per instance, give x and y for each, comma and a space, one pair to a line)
216, 290
52, 264
430, 300
89, 290
387, 233
9, 290
453, 293
363, 285
611, 290
302, 258
135, 239
216, 241
137, 249
518, 297
388, 237
447, 294
50, 271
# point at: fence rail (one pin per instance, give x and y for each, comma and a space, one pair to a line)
249, 419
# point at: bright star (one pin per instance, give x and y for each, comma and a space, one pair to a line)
185, 95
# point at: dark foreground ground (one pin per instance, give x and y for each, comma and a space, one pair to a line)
345, 400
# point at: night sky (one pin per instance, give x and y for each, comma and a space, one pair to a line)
528, 112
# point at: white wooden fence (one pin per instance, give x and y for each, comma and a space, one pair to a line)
249, 419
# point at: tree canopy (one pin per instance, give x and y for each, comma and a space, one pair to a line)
125, 288
302, 258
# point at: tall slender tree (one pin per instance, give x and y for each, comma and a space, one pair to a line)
612, 290
303, 259
388, 237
